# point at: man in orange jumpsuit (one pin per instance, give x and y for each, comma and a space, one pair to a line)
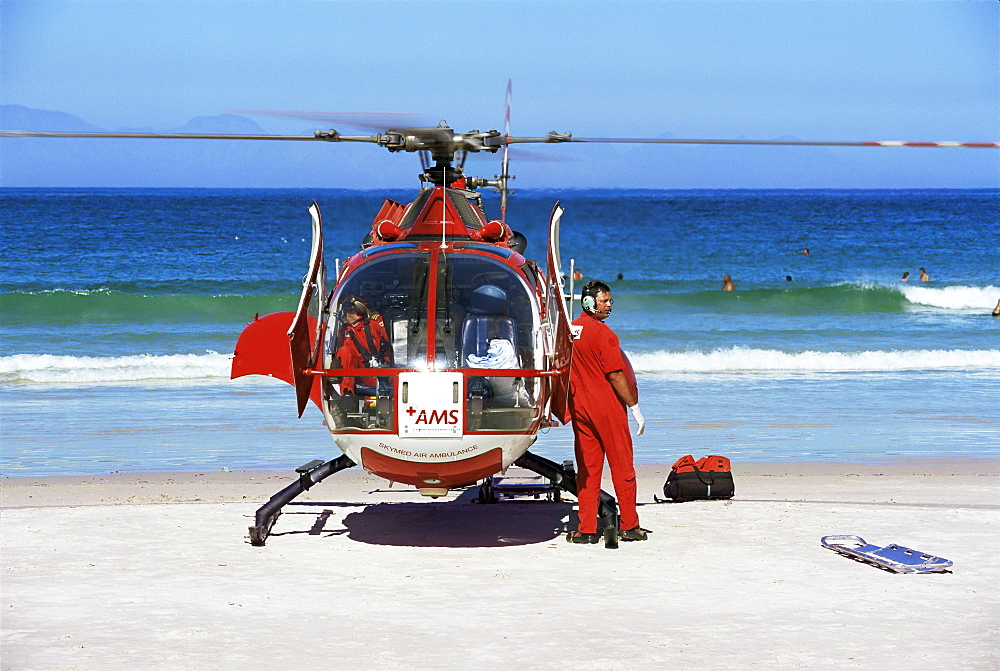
601, 386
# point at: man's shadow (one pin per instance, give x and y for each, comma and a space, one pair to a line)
457, 523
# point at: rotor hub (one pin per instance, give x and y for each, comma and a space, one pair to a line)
442, 173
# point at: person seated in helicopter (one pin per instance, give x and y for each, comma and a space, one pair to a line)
364, 344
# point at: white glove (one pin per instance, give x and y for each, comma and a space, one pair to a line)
639, 419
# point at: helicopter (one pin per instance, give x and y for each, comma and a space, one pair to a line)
439, 351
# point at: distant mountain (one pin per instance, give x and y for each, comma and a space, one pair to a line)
222, 123
19, 117
101, 162
47, 162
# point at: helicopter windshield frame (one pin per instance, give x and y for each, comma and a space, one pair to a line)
479, 310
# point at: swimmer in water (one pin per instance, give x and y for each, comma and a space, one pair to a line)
727, 283
996, 310
905, 277
924, 277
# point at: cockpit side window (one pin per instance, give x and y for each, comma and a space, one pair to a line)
394, 289
494, 303
496, 333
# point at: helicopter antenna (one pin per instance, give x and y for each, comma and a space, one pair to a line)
505, 163
444, 204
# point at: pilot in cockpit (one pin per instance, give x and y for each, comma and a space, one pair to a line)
365, 344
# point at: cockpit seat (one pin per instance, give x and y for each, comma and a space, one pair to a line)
486, 320
479, 330
399, 336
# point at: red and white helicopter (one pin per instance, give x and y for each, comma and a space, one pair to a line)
440, 350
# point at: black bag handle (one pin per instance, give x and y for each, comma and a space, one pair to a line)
700, 479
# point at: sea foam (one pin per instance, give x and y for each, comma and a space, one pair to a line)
22, 368
743, 359
46, 368
953, 298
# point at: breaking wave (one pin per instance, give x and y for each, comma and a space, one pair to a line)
48, 368
953, 298
848, 298
742, 359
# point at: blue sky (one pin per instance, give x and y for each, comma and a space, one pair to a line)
810, 70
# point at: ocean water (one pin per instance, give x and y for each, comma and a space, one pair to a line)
119, 310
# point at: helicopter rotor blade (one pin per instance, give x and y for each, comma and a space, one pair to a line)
505, 162
521, 154
445, 140
555, 138
371, 121
320, 136
441, 140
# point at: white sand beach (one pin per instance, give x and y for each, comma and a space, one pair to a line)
155, 571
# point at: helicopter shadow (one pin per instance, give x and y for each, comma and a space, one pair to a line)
456, 524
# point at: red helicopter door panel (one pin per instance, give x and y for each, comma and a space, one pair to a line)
305, 333
262, 349
557, 321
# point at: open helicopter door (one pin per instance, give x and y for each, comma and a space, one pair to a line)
306, 332
285, 345
559, 340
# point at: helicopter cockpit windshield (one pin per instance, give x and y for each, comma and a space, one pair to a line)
475, 309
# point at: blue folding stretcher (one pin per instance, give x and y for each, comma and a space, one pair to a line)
891, 557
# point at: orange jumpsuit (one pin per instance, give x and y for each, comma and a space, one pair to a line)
600, 423
365, 344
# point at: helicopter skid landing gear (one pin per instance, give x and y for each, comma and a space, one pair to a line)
309, 475
565, 477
